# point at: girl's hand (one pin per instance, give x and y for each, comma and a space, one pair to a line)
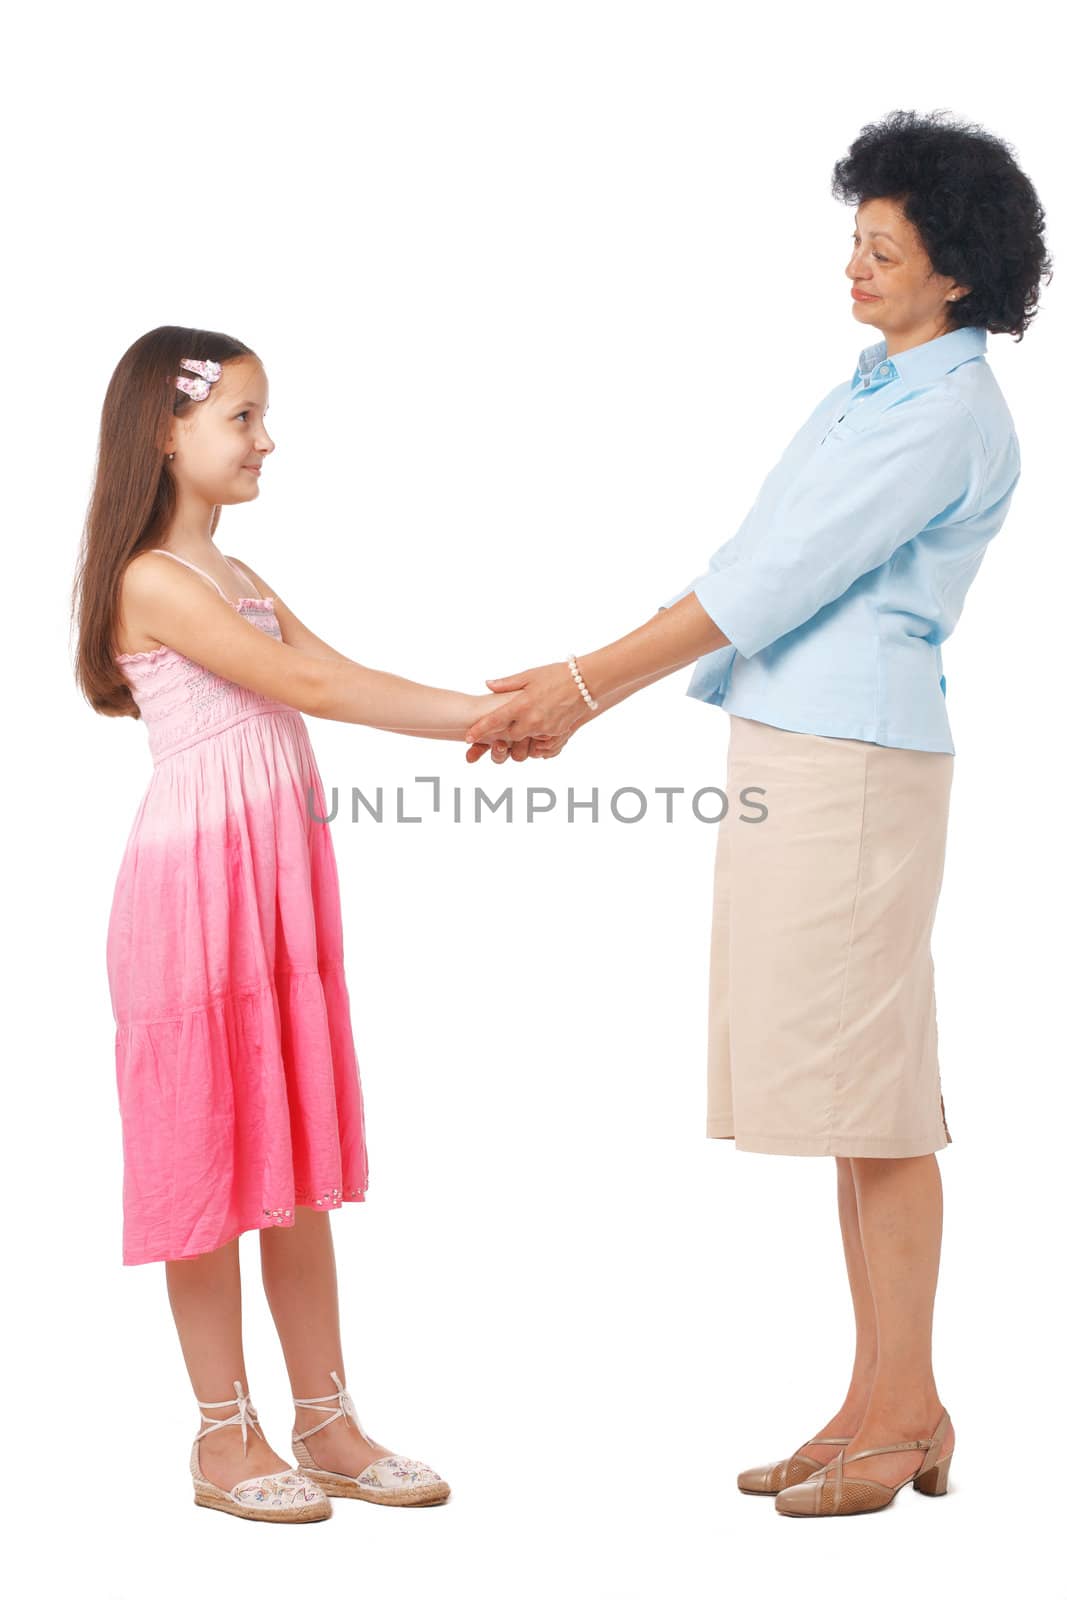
501, 748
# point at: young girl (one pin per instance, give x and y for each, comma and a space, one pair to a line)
238, 1082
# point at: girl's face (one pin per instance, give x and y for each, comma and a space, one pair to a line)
890, 265
221, 442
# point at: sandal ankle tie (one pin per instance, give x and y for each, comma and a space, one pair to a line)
245, 1415
338, 1404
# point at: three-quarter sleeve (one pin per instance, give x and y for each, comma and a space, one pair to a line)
676, 597
870, 487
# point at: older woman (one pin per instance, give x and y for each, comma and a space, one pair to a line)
818, 628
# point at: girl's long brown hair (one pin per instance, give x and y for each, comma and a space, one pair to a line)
133, 496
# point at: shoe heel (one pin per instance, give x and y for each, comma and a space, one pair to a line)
935, 1479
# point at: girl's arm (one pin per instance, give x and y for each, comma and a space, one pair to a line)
300, 636
297, 634
294, 632
179, 610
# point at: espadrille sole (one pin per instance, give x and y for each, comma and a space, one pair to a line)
344, 1488
216, 1499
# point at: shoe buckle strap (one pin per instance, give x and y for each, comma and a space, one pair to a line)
928, 1445
889, 1449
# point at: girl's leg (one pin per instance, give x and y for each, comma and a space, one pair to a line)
846, 1420
205, 1298
300, 1281
900, 1213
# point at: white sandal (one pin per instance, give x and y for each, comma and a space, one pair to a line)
273, 1497
390, 1481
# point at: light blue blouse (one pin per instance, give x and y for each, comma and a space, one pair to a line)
852, 565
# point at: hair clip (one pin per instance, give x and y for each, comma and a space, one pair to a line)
199, 388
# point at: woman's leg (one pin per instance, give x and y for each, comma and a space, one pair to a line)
300, 1281
900, 1211
847, 1418
205, 1298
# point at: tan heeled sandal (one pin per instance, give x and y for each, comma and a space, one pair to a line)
272, 1497
828, 1493
778, 1475
389, 1481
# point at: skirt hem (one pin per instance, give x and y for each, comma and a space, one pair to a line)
837, 1145
133, 1259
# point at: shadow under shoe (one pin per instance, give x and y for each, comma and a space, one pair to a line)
828, 1493
778, 1475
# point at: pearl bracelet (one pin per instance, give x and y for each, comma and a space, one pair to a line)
580, 681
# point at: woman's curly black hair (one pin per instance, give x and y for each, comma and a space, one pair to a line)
976, 211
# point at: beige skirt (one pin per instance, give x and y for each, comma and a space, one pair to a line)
822, 1037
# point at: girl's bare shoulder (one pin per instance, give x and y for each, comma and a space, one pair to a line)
140, 581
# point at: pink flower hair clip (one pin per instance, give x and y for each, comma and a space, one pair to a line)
199, 388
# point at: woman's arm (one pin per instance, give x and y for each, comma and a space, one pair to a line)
549, 702
614, 697
605, 702
671, 639
549, 747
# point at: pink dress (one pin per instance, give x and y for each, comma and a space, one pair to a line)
238, 1082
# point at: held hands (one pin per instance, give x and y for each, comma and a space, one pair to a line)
531, 713
519, 751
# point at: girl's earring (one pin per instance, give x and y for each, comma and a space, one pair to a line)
171, 456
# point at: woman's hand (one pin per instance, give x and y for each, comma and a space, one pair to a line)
501, 750
519, 751
547, 704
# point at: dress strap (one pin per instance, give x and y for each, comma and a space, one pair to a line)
157, 551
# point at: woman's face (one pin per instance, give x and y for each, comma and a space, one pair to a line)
904, 297
218, 440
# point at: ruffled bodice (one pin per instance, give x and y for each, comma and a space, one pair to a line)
180, 701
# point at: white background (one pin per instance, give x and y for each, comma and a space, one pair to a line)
542, 291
